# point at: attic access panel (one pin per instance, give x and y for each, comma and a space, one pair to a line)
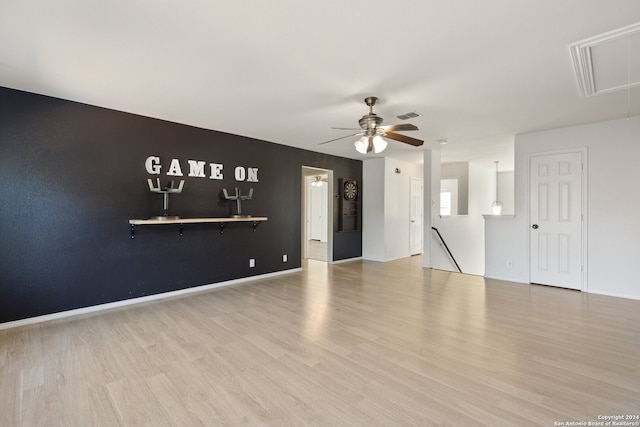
608, 62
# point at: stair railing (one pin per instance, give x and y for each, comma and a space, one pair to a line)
447, 249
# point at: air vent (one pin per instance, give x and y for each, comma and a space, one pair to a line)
608, 62
409, 115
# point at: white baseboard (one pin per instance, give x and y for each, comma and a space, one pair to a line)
513, 280
123, 303
610, 294
607, 294
340, 261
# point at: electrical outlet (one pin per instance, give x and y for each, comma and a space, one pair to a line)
509, 263
284, 258
252, 262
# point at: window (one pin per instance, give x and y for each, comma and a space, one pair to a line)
449, 197
445, 203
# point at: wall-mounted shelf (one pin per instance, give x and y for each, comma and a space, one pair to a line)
255, 220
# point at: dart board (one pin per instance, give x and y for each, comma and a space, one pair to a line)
350, 189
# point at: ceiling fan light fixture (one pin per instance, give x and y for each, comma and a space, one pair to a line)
379, 144
373, 131
362, 144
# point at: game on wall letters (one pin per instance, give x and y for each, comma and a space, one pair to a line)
199, 169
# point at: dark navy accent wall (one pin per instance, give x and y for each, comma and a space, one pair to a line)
72, 175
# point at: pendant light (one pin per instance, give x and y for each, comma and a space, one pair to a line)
496, 206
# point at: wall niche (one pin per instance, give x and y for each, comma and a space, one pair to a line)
454, 189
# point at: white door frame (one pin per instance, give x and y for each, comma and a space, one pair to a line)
313, 171
585, 244
419, 206
317, 227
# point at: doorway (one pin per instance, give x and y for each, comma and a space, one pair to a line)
556, 213
317, 236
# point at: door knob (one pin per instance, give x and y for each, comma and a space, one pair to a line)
534, 226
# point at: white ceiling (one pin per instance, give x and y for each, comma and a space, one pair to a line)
286, 71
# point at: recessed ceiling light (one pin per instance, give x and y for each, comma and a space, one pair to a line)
442, 141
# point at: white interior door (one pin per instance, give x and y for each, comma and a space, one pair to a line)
324, 206
556, 220
315, 212
416, 209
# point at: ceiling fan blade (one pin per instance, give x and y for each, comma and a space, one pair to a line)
347, 128
342, 137
402, 138
400, 127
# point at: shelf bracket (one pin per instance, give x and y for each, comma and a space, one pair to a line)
133, 231
181, 228
222, 225
255, 225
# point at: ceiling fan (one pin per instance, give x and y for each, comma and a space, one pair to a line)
372, 132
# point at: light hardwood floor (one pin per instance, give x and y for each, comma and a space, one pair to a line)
352, 344
317, 250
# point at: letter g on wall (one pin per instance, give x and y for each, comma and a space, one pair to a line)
152, 164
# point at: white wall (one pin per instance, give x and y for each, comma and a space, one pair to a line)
505, 246
373, 215
464, 234
386, 215
431, 173
397, 204
506, 192
613, 203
